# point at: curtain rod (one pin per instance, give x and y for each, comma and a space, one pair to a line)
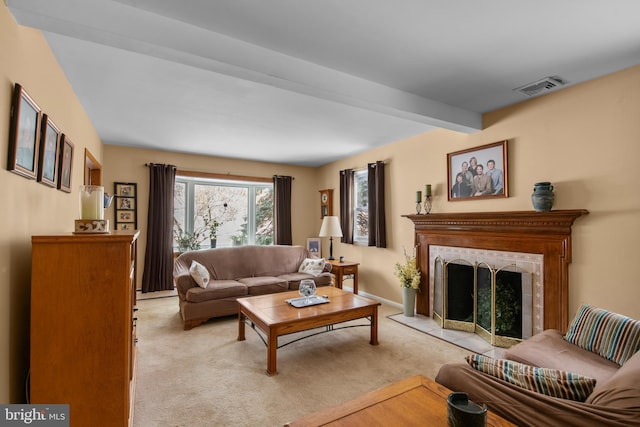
159, 164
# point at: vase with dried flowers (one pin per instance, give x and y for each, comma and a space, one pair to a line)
409, 276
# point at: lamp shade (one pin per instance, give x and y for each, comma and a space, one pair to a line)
330, 227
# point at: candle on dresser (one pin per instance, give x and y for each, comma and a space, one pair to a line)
418, 196
91, 200
427, 190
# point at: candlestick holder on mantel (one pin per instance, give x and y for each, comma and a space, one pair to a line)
427, 204
427, 200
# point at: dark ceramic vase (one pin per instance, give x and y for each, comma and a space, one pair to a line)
542, 196
461, 412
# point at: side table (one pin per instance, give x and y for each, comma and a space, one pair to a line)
342, 270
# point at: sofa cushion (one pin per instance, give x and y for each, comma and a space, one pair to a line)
552, 382
312, 266
199, 273
264, 285
611, 335
548, 349
217, 289
295, 278
623, 389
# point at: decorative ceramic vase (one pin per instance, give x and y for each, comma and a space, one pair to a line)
408, 301
542, 196
461, 412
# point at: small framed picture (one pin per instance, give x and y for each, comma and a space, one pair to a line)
24, 134
314, 246
126, 203
49, 148
125, 190
125, 226
478, 173
125, 216
65, 163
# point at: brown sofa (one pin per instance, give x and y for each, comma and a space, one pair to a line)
238, 272
614, 401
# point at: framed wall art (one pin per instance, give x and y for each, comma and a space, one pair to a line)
24, 134
314, 246
65, 163
478, 173
48, 152
125, 205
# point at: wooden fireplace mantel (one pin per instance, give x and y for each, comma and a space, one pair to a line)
546, 233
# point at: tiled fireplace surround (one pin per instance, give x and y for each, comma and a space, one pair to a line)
523, 232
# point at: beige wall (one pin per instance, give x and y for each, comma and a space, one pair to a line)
584, 139
123, 164
29, 207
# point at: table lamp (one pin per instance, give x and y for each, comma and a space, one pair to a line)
330, 228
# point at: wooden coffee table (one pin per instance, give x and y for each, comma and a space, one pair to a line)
415, 401
274, 317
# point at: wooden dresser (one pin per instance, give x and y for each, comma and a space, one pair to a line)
83, 332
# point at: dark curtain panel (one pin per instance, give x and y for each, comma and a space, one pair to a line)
346, 205
282, 210
158, 258
377, 229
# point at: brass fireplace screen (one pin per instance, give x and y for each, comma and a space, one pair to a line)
495, 303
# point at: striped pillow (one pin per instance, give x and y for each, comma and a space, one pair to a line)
610, 335
552, 382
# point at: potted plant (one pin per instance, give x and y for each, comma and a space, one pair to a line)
212, 225
409, 276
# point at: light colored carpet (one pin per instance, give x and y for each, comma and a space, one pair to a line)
205, 377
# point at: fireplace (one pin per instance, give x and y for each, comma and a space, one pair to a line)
528, 233
495, 294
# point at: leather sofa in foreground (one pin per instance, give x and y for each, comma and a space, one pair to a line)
211, 287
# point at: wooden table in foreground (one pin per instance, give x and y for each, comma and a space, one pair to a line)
273, 316
415, 401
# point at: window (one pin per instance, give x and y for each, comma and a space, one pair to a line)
361, 207
221, 213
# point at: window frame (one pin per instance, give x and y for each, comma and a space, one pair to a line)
190, 180
360, 174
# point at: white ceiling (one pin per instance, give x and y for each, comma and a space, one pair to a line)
309, 82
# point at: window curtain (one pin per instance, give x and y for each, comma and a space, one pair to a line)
158, 260
282, 210
377, 229
346, 205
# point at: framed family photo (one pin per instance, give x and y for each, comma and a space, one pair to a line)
48, 156
24, 134
478, 173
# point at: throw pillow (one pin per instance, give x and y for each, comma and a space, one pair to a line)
313, 266
199, 273
552, 382
610, 335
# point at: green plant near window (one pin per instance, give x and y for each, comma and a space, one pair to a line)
185, 240
211, 225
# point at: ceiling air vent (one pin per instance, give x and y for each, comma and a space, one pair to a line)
543, 85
